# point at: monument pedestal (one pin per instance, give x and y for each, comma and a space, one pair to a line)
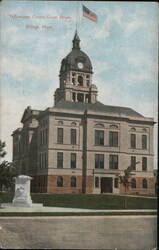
22, 196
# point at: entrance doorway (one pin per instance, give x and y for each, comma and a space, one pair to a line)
106, 185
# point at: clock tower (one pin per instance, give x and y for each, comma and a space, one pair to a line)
76, 77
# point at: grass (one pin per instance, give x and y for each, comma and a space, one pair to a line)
28, 214
87, 201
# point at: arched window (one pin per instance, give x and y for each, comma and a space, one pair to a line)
80, 97
60, 122
73, 78
113, 126
73, 181
144, 183
133, 183
59, 181
73, 97
73, 124
133, 129
99, 125
144, 130
80, 80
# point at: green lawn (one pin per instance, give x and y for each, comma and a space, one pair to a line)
90, 201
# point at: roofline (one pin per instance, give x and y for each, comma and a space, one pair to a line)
80, 113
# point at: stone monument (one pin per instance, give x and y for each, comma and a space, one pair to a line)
22, 196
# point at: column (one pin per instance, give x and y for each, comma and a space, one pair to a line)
75, 97
84, 97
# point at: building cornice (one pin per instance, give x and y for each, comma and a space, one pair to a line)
96, 115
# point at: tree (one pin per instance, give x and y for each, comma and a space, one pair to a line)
2, 151
125, 180
7, 170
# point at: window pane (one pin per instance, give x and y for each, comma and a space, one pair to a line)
60, 135
144, 183
133, 162
46, 136
113, 139
96, 161
73, 160
99, 137
73, 136
144, 141
96, 182
144, 163
59, 159
59, 181
116, 183
133, 141
73, 181
113, 161
133, 183
99, 161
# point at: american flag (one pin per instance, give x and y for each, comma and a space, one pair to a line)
89, 14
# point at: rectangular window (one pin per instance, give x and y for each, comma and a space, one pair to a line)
133, 162
73, 160
116, 182
99, 137
60, 135
133, 140
113, 161
43, 154
96, 182
46, 138
73, 136
42, 137
144, 164
45, 160
59, 159
99, 161
113, 139
144, 141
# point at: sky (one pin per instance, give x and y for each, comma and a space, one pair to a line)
37, 35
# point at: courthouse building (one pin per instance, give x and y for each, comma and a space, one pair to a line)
80, 144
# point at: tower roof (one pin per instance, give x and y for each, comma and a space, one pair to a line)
76, 37
70, 62
76, 41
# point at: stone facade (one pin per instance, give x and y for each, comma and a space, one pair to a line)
81, 145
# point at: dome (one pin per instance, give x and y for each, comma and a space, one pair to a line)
76, 60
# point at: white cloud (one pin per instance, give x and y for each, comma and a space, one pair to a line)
143, 76
145, 67
20, 68
138, 20
100, 66
134, 24
114, 15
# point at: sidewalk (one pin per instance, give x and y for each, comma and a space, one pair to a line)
68, 210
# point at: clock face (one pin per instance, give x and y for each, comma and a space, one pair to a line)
80, 65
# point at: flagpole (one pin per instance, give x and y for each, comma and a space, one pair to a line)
76, 13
